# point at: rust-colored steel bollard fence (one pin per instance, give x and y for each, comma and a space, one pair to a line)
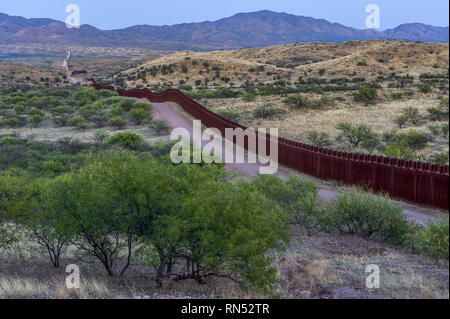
420, 183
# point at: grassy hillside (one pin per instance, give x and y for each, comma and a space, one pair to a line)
289, 63
19, 75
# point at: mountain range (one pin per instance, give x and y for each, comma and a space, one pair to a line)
255, 29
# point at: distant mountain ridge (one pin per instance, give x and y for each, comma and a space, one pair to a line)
262, 28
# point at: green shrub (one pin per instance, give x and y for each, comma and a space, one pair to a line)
397, 96
106, 93
265, 111
248, 97
301, 101
127, 140
160, 127
78, 121
34, 120
139, 115
230, 115
432, 240
14, 122
117, 122
426, 88
413, 139
401, 120
55, 167
412, 114
142, 105
99, 137
440, 158
434, 129
367, 216
321, 139
299, 198
440, 113
366, 94
354, 134
160, 149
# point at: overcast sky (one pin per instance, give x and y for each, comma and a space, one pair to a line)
113, 14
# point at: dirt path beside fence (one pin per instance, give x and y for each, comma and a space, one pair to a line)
178, 119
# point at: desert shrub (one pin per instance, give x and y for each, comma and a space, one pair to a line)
301, 101
371, 141
248, 97
366, 94
412, 114
212, 233
401, 120
8, 234
397, 96
61, 119
426, 88
400, 151
321, 139
299, 198
230, 115
34, 120
40, 216
413, 139
125, 103
53, 166
99, 137
354, 134
434, 129
139, 115
405, 145
11, 190
103, 207
441, 112
14, 121
432, 240
445, 129
127, 140
106, 93
367, 216
438, 130
142, 105
84, 96
265, 111
117, 122
160, 127
362, 63
439, 158
160, 149
78, 121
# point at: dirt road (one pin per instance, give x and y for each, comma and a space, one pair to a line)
177, 119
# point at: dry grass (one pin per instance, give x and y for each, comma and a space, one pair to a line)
314, 267
334, 267
296, 124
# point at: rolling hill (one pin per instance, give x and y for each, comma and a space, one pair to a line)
351, 59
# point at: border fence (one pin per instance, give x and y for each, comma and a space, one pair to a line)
416, 182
